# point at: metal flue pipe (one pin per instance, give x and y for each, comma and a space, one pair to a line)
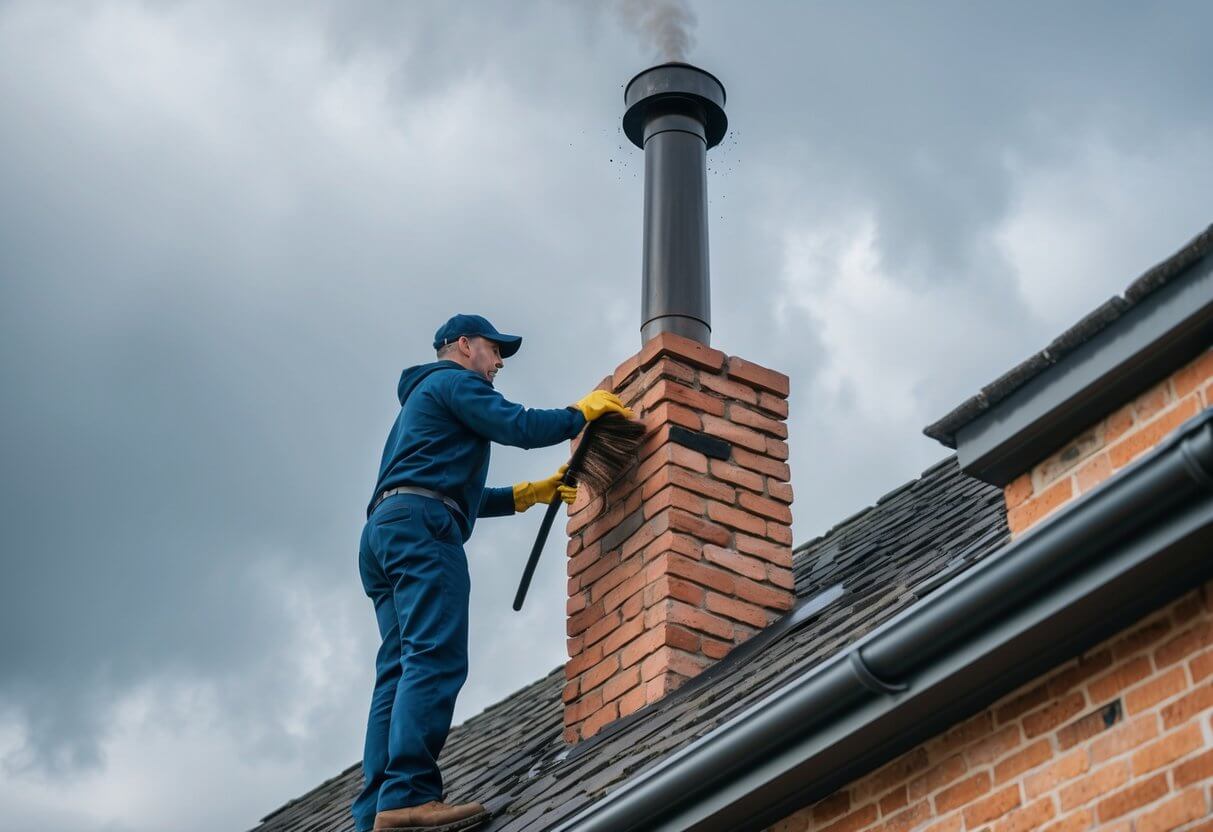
675, 112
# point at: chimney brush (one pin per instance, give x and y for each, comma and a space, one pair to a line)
608, 446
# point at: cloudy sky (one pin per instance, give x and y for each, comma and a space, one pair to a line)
226, 226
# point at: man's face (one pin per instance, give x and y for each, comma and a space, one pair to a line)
485, 357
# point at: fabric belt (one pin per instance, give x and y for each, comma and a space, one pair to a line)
420, 492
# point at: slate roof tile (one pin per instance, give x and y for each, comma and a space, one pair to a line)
865, 570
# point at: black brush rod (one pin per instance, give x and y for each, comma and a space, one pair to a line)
549, 516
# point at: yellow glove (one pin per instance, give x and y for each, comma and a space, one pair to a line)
527, 494
599, 402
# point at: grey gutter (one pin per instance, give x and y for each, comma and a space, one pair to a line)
1118, 553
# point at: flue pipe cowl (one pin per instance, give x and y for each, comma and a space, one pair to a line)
675, 112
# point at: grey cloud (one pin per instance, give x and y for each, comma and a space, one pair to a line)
216, 261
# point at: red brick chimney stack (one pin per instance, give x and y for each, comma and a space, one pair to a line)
690, 552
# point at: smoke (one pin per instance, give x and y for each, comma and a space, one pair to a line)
665, 27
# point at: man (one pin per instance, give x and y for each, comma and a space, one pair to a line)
429, 494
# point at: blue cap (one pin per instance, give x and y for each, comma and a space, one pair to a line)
471, 325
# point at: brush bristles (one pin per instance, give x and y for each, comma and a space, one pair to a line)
614, 440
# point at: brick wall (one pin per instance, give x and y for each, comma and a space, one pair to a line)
689, 553
1110, 444
1120, 739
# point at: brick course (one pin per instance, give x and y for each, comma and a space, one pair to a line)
684, 557
1109, 445
1098, 767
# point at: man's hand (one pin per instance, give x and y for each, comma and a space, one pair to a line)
599, 402
527, 494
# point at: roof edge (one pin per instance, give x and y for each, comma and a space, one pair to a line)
1127, 547
947, 429
1151, 340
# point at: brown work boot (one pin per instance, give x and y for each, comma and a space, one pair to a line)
431, 817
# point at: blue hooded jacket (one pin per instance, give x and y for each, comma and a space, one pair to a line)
448, 417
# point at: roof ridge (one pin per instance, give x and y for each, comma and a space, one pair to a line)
1084, 329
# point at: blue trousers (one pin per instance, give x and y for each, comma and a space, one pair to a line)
414, 570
